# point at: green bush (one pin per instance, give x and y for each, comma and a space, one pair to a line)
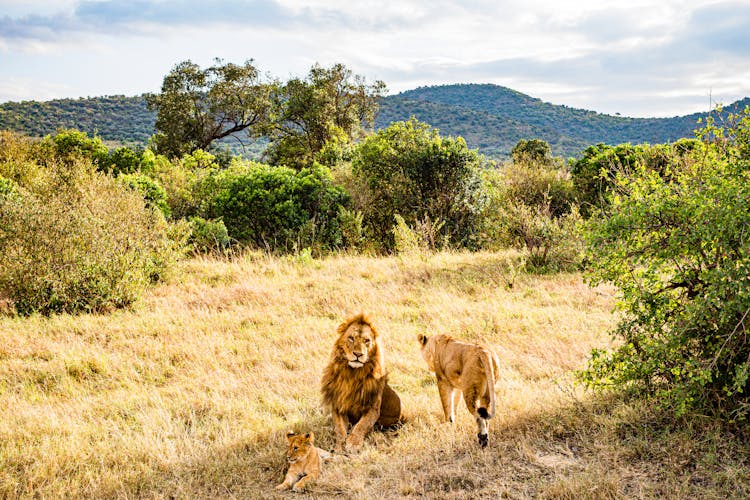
549, 243
7, 188
276, 208
409, 170
71, 145
531, 208
123, 161
594, 174
152, 192
208, 236
81, 241
678, 248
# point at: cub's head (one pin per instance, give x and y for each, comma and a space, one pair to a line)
358, 342
427, 346
299, 446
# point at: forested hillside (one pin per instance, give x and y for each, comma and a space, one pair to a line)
113, 118
491, 118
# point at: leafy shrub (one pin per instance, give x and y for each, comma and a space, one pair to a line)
17, 158
7, 188
208, 236
408, 169
678, 248
81, 241
123, 161
352, 228
183, 180
151, 190
549, 243
539, 185
531, 208
594, 174
277, 208
71, 145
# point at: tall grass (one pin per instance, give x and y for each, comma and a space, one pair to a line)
190, 394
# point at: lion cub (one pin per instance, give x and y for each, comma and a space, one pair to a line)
469, 368
304, 461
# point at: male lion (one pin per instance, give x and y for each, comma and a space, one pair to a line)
355, 386
469, 368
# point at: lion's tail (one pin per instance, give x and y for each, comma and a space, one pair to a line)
490, 375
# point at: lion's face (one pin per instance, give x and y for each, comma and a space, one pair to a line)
357, 344
299, 446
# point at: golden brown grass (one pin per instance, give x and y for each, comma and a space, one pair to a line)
190, 394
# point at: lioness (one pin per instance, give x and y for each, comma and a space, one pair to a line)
469, 368
304, 461
355, 386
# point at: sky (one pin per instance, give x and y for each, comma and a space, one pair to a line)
639, 58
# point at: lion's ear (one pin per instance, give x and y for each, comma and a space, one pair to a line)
290, 434
310, 437
422, 339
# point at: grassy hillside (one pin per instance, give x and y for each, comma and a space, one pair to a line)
491, 118
190, 394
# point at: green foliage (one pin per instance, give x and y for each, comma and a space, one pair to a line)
151, 190
352, 228
78, 240
535, 151
124, 160
537, 184
126, 120
277, 208
549, 243
531, 208
183, 180
7, 188
70, 145
199, 106
208, 236
324, 111
677, 245
408, 169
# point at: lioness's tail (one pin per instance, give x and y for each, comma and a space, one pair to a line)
490, 375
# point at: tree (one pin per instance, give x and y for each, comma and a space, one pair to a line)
677, 245
532, 151
198, 106
407, 169
330, 106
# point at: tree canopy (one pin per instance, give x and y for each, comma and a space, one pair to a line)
198, 106
329, 105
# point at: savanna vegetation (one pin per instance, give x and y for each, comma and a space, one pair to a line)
165, 311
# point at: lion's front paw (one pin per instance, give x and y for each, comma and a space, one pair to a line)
354, 444
282, 486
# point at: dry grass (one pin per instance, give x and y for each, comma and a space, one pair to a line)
190, 395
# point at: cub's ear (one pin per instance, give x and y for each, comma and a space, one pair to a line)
422, 339
310, 437
290, 434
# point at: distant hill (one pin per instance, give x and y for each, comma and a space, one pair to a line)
113, 118
496, 117
491, 118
